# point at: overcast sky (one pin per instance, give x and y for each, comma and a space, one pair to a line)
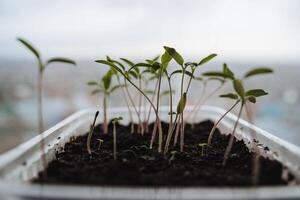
252, 29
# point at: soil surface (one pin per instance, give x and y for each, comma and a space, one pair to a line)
136, 165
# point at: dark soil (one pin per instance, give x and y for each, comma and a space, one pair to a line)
136, 165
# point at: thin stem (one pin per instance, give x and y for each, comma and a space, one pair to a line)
105, 125
216, 124
155, 110
181, 118
88, 142
170, 119
127, 104
231, 140
156, 122
140, 106
152, 99
115, 140
41, 121
131, 100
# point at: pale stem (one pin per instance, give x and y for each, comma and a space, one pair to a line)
216, 124
105, 125
231, 140
88, 142
115, 140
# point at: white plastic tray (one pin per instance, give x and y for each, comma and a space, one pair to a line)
22, 163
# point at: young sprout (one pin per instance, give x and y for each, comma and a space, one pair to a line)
239, 96
100, 143
105, 87
171, 53
88, 141
41, 68
202, 146
125, 74
114, 121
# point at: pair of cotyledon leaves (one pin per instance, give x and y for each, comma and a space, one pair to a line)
38, 56
241, 94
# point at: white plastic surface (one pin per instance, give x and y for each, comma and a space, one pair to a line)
21, 164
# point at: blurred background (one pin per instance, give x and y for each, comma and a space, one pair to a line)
245, 34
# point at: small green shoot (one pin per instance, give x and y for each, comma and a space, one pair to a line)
239, 96
115, 121
202, 146
100, 143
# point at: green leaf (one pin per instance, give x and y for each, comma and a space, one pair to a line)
130, 63
215, 74
149, 91
115, 88
181, 104
134, 67
256, 93
167, 92
61, 60
134, 74
30, 47
116, 119
252, 99
230, 96
238, 87
109, 64
165, 59
175, 55
107, 79
228, 73
115, 62
179, 71
199, 78
207, 59
222, 80
92, 83
257, 71
96, 91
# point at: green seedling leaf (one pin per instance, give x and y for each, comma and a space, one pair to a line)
222, 80
149, 91
116, 119
228, 73
115, 62
115, 88
109, 64
181, 104
165, 59
238, 87
180, 72
216, 74
256, 93
130, 63
92, 83
257, 71
230, 96
207, 59
134, 74
202, 144
199, 78
252, 99
175, 55
61, 60
30, 47
107, 80
167, 92
96, 91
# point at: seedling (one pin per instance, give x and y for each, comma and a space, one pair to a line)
41, 68
171, 53
105, 87
202, 146
125, 74
88, 142
114, 121
100, 143
239, 96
